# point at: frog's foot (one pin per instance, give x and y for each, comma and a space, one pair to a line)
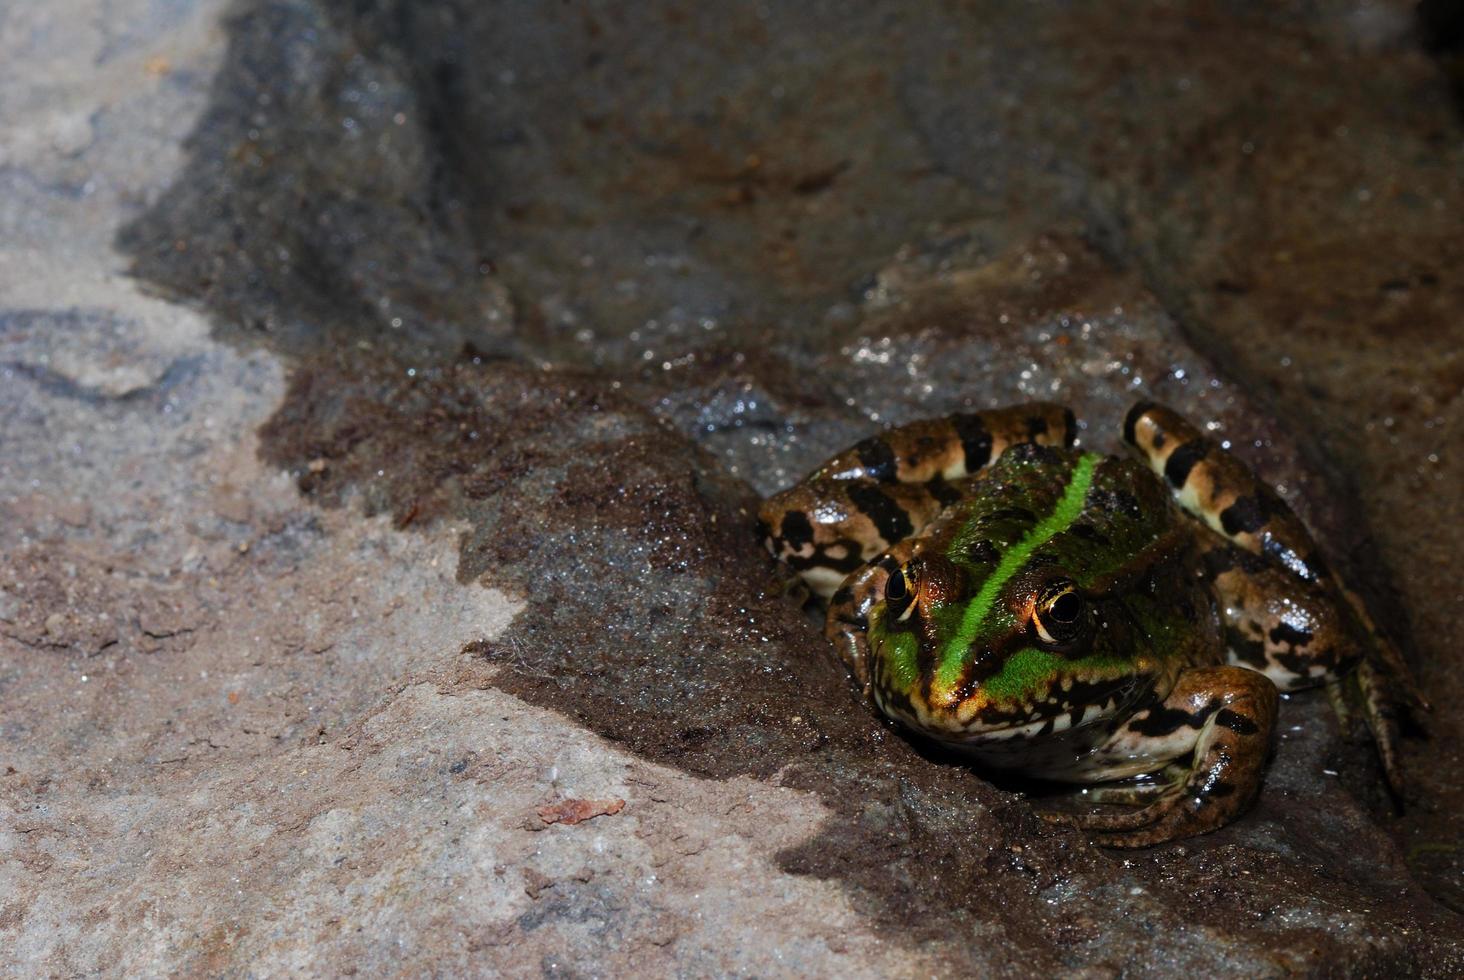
1375, 691
1223, 717
1137, 792
1380, 711
1387, 659
1382, 683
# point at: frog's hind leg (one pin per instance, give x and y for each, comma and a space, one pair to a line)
1223, 719
952, 447
888, 487
1293, 631
825, 529
1285, 614
1215, 487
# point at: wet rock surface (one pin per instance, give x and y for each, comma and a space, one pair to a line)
528, 311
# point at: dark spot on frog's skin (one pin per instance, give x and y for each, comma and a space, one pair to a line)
1286, 633
1184, 459
1159, 440
797, 531
1070, 428
1237, 723
1131, 420
851, 560
975, 440
1036, 426
1164, 721
1243, 649
1089, 533
820, 557
1246, 516
983, 553
1301, 663
1018, 514
943, 492
888, 517
877, 458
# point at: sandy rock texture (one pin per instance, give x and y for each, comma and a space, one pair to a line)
386, 389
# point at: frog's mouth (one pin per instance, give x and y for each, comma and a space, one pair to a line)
1035, 724
978, 720
1040, 727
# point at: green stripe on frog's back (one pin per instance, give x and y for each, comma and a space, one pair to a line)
954, 656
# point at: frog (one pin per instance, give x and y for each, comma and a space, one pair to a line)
1123, 625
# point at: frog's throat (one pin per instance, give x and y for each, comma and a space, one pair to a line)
955, 657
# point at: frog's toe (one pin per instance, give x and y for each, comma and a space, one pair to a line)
1174, 816
1136, 792
1160, 821
1378, 698
1380, 711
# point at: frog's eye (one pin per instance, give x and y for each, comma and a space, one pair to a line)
899, 593
1058, 616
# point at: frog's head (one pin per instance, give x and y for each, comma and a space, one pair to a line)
1014, 618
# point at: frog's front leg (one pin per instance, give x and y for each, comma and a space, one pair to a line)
1222, 718
847, 625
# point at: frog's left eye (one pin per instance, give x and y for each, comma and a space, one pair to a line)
899, 593
1059, 614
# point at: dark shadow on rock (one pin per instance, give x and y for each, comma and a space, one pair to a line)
1441, 29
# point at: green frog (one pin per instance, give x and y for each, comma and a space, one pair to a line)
1083, 618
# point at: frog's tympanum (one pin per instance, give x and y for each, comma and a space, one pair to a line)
1078, 617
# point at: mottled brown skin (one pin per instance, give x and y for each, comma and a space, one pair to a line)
1248, 596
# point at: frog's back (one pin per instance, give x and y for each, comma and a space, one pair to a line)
1102, 520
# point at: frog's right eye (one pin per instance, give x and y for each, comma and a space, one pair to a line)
1060, 614
899, 593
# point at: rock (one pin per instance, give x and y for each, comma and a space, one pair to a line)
320, 615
